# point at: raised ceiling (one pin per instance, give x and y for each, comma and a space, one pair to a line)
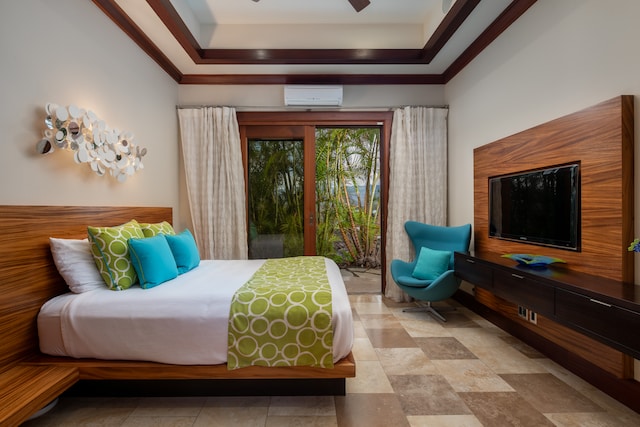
313, 41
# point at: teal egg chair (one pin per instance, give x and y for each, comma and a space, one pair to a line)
430, 276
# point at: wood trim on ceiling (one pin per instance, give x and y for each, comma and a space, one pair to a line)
126, 24
317, 79
508, 16
449, 25
452, 21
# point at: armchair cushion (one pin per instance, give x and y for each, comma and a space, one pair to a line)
412, 282
431, 264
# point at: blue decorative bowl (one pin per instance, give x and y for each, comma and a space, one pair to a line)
533, 261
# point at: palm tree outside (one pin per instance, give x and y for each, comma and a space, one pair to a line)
347, 196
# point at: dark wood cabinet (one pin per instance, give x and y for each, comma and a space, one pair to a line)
607, 322
603, 309
473, 272
521, 288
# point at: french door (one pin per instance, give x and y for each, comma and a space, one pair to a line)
279, 153
280, 195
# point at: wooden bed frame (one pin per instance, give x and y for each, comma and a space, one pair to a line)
28, 278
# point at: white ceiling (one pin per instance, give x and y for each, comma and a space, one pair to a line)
311, 24
310, 11
308, 25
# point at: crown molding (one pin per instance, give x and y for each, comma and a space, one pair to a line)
450, 24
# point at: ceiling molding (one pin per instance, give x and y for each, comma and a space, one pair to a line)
516, 9
449, 25
122, 20
447, 28
451, 22
312, 79
176, 26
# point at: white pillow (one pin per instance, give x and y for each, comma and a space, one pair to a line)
76, 265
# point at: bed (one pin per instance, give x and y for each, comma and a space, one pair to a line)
182, 321
30, 282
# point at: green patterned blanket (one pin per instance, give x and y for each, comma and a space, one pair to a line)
282, 316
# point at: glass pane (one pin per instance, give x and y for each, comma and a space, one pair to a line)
276, 203
348, 195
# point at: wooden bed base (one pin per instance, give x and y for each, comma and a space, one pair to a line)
28, 278
117, 378
94, 369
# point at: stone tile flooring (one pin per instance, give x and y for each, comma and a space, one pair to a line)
411, 371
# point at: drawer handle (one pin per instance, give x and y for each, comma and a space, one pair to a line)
517, 276
600, 302
470, 261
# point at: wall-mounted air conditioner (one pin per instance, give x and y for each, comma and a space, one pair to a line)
305, 95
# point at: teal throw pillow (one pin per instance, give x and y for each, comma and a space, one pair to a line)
153, 260
431, 264
185, 251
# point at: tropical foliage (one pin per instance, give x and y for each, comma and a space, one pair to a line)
347, 194
276, 198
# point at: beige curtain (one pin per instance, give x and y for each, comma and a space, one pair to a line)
417, 180
215, 180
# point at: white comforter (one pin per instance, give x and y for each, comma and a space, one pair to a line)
183, 321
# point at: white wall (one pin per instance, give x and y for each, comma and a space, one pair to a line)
69, 52
559, 57
272, 96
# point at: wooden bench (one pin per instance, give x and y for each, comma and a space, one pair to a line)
25, 389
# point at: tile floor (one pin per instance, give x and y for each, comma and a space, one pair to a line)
411, 371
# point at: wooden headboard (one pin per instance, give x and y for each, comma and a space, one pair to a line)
28, 276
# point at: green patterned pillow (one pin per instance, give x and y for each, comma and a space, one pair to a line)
151, 230
111, 253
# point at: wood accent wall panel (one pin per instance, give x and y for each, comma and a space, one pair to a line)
601, 139
27, 278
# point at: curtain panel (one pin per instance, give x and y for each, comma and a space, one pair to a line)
215, 180
417, 180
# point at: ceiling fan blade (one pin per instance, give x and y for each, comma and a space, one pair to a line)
358, 5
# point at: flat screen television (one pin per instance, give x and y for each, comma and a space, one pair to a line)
540, 206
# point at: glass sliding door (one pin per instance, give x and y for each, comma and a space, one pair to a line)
324, 200
315, 184
275, 197
348, 195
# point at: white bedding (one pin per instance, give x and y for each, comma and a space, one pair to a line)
183, 321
